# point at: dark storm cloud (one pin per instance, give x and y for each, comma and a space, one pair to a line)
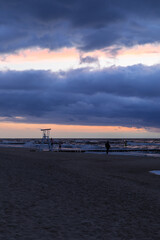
115, 96
88, 59
88, 24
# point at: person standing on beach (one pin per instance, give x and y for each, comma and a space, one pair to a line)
51, 144
125, 143
107, 146
59, 146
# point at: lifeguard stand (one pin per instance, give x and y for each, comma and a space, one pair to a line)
45, 137
46, 134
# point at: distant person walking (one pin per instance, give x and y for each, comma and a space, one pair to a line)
51, 142
60, 147
107, 146
125, 143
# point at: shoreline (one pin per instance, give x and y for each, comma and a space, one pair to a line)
136, 152
57, 195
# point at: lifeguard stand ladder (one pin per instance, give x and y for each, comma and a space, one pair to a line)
45, 137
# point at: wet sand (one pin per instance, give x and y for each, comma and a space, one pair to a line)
74, 196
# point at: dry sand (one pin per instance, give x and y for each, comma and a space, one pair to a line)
72, 196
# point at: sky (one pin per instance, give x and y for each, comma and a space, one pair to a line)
84, 68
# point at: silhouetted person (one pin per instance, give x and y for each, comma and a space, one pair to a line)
59, 147
51, 142
125, 143
107, 145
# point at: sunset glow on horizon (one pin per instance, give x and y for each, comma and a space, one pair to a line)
22, 130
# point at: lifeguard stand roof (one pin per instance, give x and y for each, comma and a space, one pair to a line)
46, 129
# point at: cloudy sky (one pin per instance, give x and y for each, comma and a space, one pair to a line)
85, 68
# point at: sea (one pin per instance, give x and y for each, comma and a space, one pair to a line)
128, 146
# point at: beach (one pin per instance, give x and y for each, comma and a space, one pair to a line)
74, 196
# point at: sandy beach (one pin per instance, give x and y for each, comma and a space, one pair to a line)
74, 196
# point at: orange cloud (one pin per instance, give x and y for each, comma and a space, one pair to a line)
140, 50
10, 129
38, 54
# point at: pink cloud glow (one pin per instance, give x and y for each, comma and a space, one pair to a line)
68, 58
38, 54
9, 129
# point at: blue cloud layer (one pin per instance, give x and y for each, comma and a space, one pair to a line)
87, 25
113, 96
